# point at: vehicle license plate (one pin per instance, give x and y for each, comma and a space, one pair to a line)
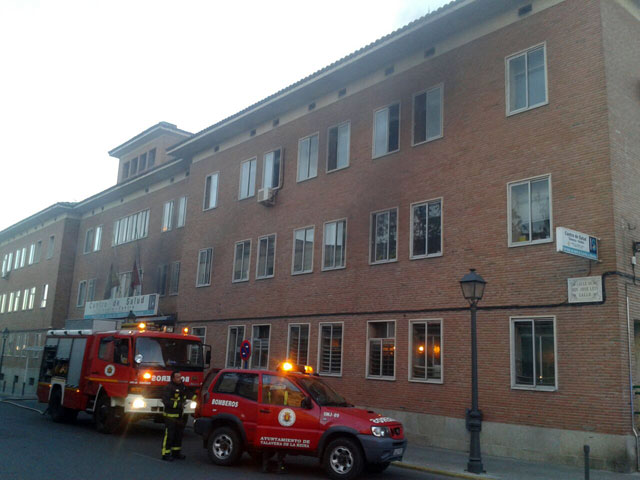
397, 451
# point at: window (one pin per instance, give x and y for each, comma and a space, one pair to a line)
151, 161
134, 166
533, 353
175, 278
97, 239
133, 227
330, 349
91, 290
427, 115
16, 265
25, 299
125, 170
23, 258
234, 341
384, 241
161, 280
124, 285
247, 179
241, 384
200, 332
3, 302
386, 130
530, 211
204, 267
271, 169
82, 293
88, 240
308, 157
11, 301
32, 253
45, 292
338, 147
16, 301
4, 265
266, 256
143, 162
182, 212
211, 192
303, 250
381, 349
425, 345
167, 216
9, 261
241, 261
36, 257
260, 346
334, 253
426, 229
298, 343
277, 390
526, 80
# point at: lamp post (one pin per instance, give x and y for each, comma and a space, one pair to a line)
472, 286
5, 335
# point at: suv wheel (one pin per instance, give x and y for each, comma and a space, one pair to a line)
343, 459
224, 446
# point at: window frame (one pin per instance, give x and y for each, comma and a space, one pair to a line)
425, 321
181, 211
115, 241
51, 247
508, 83
250, 362
280, 170
168, 211
293, 250
244, 337
426, 255
255, 171
275, 244
510, 242
512, 351
373, 133
413, 116
204, 197
387, 378
289, 325
198, 285
308, 137
97, 238
172, 270
80, 301
371, 214
89, 231
235, 252
329, 269
319, 351
338, 125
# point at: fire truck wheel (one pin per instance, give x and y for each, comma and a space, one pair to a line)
56, 410
105, 416
224, 446
343, 459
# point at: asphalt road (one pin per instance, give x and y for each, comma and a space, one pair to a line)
33, 447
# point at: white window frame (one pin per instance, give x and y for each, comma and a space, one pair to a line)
508, 83
293, 250
51, 247
411, 346
90, 231
320, 351
97, 238
426, 255
129, 229
244, 336
511, 243
346, 122
324, 226
280, 170
310, 177
235, 252
80, 299
181, 218
91, 281
198, 285
512, 352
373, 136
25, 299
201, 337
250, 193
171, 275
308, 339
23, 258
167, 216
45, 293
32, 252
251, 365
204, 197
367, 374
382, 262
275, 244
413, 117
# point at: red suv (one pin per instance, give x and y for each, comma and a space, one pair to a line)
297, 413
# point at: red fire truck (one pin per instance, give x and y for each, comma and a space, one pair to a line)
117, 376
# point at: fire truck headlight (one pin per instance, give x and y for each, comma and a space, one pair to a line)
193, 404
380, 431
138, 403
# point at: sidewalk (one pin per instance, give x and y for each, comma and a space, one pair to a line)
453, 463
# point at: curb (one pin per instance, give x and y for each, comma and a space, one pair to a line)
448, 473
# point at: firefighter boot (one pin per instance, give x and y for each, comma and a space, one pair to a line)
167, 458
178, 456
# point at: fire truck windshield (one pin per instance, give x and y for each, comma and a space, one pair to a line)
322, 393
169, 353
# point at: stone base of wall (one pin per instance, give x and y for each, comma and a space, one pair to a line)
551, 445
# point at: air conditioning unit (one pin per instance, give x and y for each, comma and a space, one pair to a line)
266, 196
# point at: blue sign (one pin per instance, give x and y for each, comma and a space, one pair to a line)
576, 243
245, 349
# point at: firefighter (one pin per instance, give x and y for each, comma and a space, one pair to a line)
174, 397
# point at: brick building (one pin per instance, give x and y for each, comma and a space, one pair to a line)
331, 222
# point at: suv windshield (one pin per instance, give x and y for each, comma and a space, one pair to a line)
169, 353
322, 393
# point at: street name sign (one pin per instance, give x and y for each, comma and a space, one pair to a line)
140, 305
576, 243
584, 289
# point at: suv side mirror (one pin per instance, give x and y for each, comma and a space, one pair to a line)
306, 403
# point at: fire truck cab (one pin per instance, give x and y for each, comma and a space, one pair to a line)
294, 412
117, 375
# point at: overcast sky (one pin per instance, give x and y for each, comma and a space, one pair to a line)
78, 78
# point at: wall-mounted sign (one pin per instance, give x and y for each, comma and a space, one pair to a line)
576, 243
141, 306
584, 289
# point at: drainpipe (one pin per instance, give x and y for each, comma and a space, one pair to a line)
633, 420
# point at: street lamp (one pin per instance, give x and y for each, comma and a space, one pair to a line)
472, 286
5, 335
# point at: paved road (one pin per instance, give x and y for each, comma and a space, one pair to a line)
33, 447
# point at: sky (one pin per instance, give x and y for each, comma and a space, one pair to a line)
78, 78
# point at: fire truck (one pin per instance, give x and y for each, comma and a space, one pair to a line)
117, 376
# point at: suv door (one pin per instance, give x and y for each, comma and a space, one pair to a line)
282, 422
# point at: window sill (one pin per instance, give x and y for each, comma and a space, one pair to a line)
434, 382
302, 273
203, 285
244, 280
383, 262
330, 374
247, 198
210, 208
535, 242
306, 179
384, 379
382, 155
534, 389
533, 107
422, 257
428, 140
331, 269
265, 278
338, 169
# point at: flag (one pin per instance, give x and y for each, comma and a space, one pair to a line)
135, 277
112, 281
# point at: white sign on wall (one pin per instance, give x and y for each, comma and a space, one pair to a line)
576, 243
584, 289
141, 305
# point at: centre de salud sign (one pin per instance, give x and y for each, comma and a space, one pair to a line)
576, 243
141, 306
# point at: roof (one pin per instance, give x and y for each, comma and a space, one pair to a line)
51, 211
143, 137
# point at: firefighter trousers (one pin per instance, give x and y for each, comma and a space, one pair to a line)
173, 431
